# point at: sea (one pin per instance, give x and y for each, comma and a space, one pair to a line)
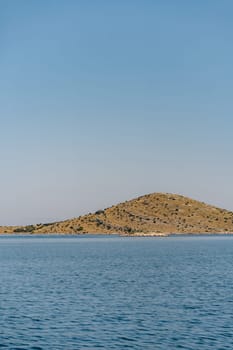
111, 292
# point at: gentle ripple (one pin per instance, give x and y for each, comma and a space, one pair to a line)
116, 293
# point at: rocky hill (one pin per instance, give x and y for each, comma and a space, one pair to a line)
152, 214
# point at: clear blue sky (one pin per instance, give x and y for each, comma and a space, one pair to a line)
102, 101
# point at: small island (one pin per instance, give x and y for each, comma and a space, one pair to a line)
156, 214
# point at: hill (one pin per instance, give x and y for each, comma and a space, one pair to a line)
152, 214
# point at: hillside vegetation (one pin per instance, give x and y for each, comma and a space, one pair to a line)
152, 214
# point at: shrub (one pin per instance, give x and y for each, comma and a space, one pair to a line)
98, 212
17, 230
29, 228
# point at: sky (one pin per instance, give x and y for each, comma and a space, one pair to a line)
103, 101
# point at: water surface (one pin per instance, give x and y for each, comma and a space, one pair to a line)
116, 293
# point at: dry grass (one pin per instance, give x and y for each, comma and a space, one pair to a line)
152, 214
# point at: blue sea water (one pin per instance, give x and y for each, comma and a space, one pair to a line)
116, 293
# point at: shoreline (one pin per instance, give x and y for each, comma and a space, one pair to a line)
136, 235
